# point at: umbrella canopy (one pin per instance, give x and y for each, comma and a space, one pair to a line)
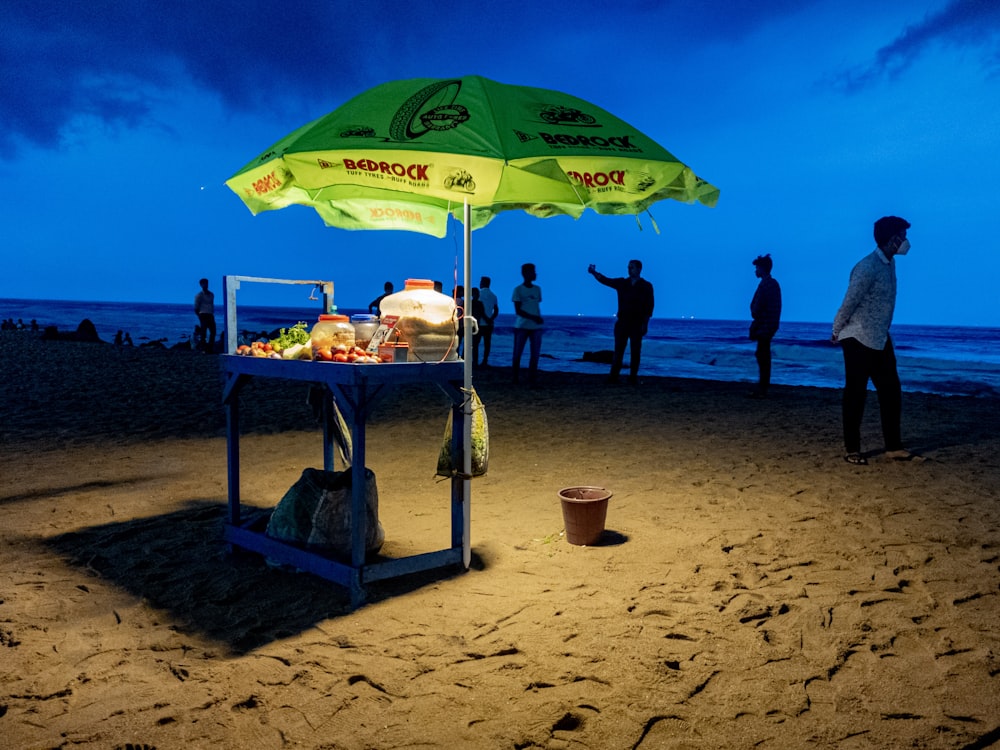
405, 154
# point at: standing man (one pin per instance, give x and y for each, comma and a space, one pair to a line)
635, 308
765, 309
204, 308
492, 308
528, 321
862, 328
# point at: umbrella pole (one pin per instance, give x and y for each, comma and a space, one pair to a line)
467, 400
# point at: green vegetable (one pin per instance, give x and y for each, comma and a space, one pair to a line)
297, 334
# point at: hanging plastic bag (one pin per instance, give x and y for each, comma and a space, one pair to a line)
451, 465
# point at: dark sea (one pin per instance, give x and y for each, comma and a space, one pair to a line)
948, 360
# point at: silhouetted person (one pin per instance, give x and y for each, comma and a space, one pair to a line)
491, 309
862, 328
528, 322
765, 309
204, 308
635, 308
478, 313
375, 306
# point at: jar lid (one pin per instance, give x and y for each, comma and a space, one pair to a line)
332, 318
419, 284
364, 318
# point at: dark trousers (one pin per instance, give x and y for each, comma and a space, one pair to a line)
763, 355
533, 337
862, 364
630, 335
206, 337
486, 336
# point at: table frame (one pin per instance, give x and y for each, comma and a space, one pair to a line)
355, 388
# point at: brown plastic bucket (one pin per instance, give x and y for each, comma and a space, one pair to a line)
584, 509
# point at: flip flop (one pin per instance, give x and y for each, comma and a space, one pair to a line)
856, 458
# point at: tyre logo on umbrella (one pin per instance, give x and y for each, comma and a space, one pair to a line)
431, 108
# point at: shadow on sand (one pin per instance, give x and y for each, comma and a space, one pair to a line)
179, 563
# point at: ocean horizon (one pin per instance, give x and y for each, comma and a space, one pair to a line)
947, 360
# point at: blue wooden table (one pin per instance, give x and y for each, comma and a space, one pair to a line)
355, 389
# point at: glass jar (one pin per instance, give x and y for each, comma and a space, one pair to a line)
332, 331
424, 319
364, 328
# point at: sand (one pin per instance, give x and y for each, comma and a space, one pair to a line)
752, 590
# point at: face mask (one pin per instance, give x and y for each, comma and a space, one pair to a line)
904, 248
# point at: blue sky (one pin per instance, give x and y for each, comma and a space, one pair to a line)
122, 121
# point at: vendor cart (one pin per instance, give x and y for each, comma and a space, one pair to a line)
355, 389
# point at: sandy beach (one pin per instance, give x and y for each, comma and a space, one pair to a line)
752, 590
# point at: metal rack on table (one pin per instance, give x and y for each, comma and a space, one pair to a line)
356, 389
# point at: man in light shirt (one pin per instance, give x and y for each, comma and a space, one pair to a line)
486, 325
528, 322
861, 326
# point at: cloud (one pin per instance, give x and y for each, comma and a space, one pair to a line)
112, 59
111, 62
963, 24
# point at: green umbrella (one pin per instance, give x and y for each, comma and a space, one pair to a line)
406, 154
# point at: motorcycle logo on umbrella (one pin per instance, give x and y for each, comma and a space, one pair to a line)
555, 114
460, 180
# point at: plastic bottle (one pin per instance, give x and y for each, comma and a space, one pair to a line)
364, 328
424, 319
331, 331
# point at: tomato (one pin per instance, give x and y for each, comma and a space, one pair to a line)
324, 354
339, 357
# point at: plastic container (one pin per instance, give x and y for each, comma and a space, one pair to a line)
424, 319
364, 328
332, 331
